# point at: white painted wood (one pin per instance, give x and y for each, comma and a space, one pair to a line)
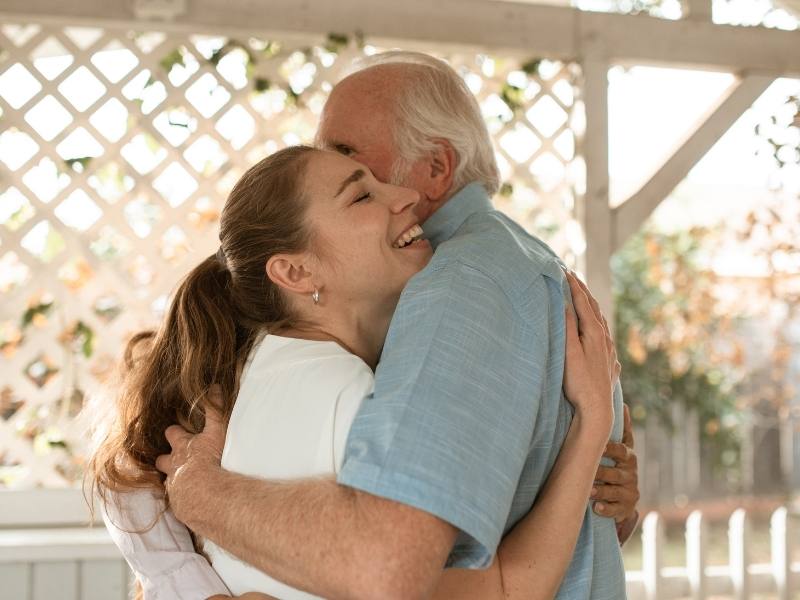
594, 211
630, 215
15, 581
781, 566
34, 545
652, 560
55, 580
739, 556
690, 44
696, 540
53, 507
537, 30
103, 580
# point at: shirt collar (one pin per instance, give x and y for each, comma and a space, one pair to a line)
469, 200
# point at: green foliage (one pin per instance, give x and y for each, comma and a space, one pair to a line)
669, 338
170, 60
81, 337
507, 189
336, 42
78, 164
513, 96
39, 308
531, 67
261, 84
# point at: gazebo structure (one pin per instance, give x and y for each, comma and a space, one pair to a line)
123, 124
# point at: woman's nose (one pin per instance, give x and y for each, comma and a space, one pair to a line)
403, 199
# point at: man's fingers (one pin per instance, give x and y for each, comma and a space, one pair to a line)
215, 396
613, 475
617, 452
176, 435
612, 510
214, 423
627, 431
164, 464
611, 493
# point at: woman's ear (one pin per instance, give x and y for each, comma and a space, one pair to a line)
291, 272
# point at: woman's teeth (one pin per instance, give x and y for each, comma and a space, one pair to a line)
408, 237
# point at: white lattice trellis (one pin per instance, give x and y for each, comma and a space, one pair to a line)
117, 149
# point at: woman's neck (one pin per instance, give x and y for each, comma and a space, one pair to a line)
360, 332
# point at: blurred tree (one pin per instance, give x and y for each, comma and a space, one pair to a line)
673, 342
686, 334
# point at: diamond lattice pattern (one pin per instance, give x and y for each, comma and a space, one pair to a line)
117, 150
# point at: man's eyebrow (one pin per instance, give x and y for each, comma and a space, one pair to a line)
355, 176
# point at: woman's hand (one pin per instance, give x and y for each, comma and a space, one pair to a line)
591, 368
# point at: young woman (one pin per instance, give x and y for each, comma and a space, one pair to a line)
289, 319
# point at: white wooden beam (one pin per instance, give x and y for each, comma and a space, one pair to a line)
693, 44
531, 29
594, 210
629, 216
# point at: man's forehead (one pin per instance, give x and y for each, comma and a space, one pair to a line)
351, 127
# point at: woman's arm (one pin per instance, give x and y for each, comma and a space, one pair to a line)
533, 557
158, 547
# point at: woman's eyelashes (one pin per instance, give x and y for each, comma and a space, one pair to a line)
365, 196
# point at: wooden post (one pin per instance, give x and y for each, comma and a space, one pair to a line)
781, 565
697, 10
738, 555
696, 534
594, 210
652, 543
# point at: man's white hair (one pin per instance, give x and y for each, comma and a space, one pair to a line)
434, 102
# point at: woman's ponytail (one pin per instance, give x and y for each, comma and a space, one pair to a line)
215, 317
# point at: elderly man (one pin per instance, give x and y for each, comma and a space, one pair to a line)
488, 363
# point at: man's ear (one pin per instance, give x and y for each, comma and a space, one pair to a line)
442, 163
291, 272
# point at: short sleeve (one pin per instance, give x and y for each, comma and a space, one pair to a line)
449, 426
347, 404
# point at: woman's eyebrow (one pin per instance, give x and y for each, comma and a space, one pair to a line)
355, 176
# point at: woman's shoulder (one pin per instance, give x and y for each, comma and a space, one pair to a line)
317, 359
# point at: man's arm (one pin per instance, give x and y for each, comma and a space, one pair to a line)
533, 557
458, 421
311, 534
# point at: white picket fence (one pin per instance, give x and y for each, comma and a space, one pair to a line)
739, 579
46, 552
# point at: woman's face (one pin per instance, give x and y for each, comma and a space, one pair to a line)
366, 235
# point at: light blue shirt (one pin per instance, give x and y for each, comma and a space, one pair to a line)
468, 415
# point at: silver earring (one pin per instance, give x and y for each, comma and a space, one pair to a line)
315, 296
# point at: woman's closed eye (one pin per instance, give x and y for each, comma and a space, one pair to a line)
360, 198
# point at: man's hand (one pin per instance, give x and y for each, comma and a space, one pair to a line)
191, 457
616, 489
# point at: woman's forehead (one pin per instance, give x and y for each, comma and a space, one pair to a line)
329, 173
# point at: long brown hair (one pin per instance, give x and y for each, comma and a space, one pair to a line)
216, 315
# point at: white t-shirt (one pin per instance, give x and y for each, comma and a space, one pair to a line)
296, 402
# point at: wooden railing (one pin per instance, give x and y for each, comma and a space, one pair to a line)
47, 551
739, 579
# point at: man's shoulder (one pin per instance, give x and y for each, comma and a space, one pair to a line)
493, 245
